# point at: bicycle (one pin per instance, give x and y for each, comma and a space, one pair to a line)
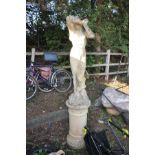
46, 77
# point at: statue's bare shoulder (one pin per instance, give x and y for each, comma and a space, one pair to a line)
74, 23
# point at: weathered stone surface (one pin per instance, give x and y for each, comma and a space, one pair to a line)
78, 101
79, 98
77, 120
75, 142
78, 32
118, 100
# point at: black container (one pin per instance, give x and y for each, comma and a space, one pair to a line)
98, 144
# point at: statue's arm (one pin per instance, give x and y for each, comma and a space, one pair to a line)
71, 20
88, 31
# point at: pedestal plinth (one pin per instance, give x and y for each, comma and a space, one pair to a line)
77, 119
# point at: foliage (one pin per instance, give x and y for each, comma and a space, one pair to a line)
41, 152
46, 29
112, 24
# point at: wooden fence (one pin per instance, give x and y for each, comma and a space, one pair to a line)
107, 65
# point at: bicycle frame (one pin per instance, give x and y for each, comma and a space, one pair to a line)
47, 79
32, 71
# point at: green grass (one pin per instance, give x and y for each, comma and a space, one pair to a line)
41, 152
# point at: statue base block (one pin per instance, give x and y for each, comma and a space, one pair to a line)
75, 142
77, 119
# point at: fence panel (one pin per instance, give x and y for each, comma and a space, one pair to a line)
107, 65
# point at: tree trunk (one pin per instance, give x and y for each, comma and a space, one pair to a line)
99, 3
98, 49
42, 4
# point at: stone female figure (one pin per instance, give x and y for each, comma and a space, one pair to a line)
78, 32
78, 101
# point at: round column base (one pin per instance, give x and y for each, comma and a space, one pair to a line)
75, 143
78, 104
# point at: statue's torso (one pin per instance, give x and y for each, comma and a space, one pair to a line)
78, 40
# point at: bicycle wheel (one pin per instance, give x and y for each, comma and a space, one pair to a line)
61, 81
31, 87
45, 86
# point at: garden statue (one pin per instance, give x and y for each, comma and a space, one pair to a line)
78, 101
78, 32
